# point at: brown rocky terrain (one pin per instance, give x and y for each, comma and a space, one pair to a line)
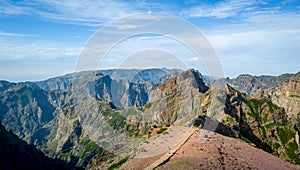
176, 98
220, 152
288, 96
213, 152
256, 120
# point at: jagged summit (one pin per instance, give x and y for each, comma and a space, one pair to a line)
177, 97
195, 80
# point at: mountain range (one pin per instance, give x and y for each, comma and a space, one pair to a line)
99, 119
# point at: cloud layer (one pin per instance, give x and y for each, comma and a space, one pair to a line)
262, 34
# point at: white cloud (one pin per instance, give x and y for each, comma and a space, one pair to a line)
138, 44
8, 34
254, 33
34, 51
266, 43
142, 42
8, 8
88, 12
223, 9
152, 58
194, 59
126, 26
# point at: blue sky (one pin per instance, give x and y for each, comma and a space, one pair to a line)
42, 39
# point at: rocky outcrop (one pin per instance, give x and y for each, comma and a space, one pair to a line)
176, 98
288, 96
262, 123
121, 93
24, 108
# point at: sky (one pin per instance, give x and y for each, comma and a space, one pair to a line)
43, 39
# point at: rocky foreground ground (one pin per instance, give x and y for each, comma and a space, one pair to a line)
215, 152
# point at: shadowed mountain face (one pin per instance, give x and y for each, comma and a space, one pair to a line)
25, 108
121, 92
44, 117
17, 154
131, 102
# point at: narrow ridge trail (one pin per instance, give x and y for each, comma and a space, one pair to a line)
167, 156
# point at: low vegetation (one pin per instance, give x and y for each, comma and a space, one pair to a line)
118, 164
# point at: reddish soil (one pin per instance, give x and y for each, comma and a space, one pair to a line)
140, 163
159, 144
220, 152
215, 152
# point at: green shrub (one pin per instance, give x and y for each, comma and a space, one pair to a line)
291, 151
118, 164
161, 130
148, 105
285, 135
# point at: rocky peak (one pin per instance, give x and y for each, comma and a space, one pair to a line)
4, 85
288, 96
230, 90
194, 77
190, 78
293, 85
177, 97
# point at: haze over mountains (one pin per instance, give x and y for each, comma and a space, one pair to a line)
117, 107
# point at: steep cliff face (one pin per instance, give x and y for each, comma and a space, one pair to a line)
17, 154
288, 96
86, 130
176, 98
69, 135
262, 123
64, 128
121, 93
25, 108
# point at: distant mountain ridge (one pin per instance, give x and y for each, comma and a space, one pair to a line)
154, 75
250, 84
